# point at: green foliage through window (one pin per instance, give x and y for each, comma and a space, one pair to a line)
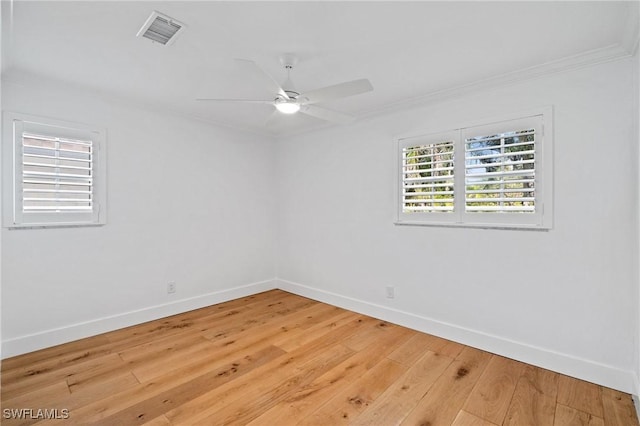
428, 177
500, 172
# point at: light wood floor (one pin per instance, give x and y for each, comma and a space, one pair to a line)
280, 359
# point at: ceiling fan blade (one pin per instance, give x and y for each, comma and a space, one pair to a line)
270, 82
327, 114
244, 101
341, 90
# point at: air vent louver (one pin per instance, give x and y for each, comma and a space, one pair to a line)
161, 29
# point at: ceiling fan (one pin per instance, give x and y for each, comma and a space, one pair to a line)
287, 100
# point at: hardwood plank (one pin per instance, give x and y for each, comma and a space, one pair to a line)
147, 370
284, 321
158, 421
257, 337
160, 403
117, 381
328, 314
443, 346
51, 397
412, 350
40, 378
280, 369
296, 407
55, 398
364, 337
69, 352
192, 321
534, 400
162, 346
467, 419
111, 406
439, 345
492, 394
271, 313
568, 416
581, 395
273, 389
403, 395
445, 398
144, 368
618, 408
354, 399
449, 348
49, 365
301, 331
291, 341
545, 381
195, 367
95, 390
202, 319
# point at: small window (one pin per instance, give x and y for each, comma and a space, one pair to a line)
493, 175
55, 173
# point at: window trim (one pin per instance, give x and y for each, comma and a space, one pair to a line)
14, 124
541, 220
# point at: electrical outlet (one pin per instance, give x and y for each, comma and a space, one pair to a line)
171, 287
391, 292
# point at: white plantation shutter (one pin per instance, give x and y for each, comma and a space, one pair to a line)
427, 177
58, 172
502, 173
488, 175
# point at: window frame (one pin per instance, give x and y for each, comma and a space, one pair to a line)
541, 219
14, 126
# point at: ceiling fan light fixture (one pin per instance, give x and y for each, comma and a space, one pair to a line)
287, 106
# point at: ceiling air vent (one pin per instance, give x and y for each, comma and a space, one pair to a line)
161, 28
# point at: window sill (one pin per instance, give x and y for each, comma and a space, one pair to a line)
501, 226
53, 225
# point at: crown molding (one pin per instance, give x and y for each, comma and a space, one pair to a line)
631, 33
609, 53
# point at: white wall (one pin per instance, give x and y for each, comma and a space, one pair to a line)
1, 204
564, 299
636, 73
187, 202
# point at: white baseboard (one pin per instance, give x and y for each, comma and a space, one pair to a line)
584, 369
57, 336
636, 404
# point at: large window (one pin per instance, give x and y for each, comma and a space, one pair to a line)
492, 175
54, 173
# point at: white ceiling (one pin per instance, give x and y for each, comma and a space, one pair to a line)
407, 50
